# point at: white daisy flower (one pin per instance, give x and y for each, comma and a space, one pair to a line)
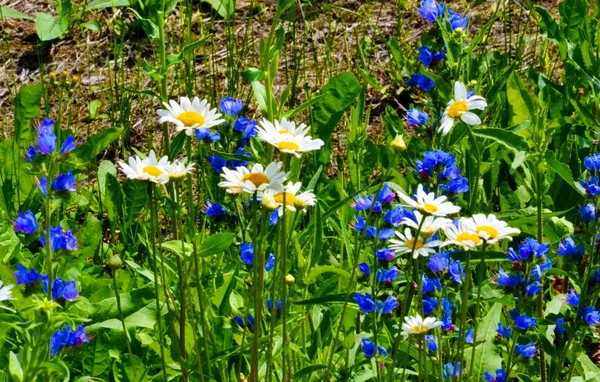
148, 169
491, 229
287, 137
407, 243
429, 227
190, 115
459, 108
179, 169
429, 204
293, 200
418, 325
464, 235
5, 292
257, 178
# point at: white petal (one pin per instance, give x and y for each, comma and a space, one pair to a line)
470, 118
460, 91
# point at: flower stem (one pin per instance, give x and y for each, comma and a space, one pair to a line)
477, 303
127, 341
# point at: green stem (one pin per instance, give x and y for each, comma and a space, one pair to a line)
127, 342
182, 286
475, 189
153, 225
478, 301
540, 237
257, 324
162, 53
463, 309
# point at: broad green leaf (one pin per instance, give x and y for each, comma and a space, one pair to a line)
225, 8
27, 107
177, 247
504, 137
521, 105
93, 146
307, 371
572, 16
486, 358
548, 26
49, 28
89, 236
15, 371
319, 270
215, 244
591, 371
563, 171
10, 244
99, 4
13, 14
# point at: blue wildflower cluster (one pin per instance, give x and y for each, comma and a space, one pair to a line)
35, 282
370, 349
431, 11
439, 169
592, 164
523, 325
530, 256
68, 338
246, 322
247, 256
47, 142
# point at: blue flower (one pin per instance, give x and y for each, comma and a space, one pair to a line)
365, 302
204, 133
559, 329
395, 216
592, 163
417, 118
216, 162
249, 321
431, 285
533, 288
64, 182
421, 81
70, 241
230, 106
46, 126
46, 143
368, 347
504, 331
430, 10
270, 264
364, 269
68, 145
590, 315
215, 209
66, 337
274, 217
59, 240
246, 127
247, 253
388, 306
385, 254
528, 249
500, 376
522, 322
234, 163
31, 153
438, 163
452, 371
430, 342
279, 304
26, 223
30, 277
387, 276
509, 281
385, 234
448, 307
573, 298
458, 21
527, 351
64, 290
595, 278
457, 271
43, 185
366, 204
539, 269
470, 336
591, 187
569, 249
429, 305
588, 213
386, 195
439, 262
427, 57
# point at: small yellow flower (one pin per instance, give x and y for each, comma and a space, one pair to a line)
398, 143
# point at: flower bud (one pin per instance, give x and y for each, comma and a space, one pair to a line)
398, 143
289, 279
115, 263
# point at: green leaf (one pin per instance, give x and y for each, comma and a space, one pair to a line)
563, 171
15, 371
548, 26
591, 371
486, 358
521, 105
27, 107
100, 4
340, 93
225, 8
93, 146
572, 17
177, 247
216, 244
504, 137
13, 14
10, 245
307, 371
49, 28
319, 270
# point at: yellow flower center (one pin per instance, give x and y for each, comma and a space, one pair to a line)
427, 207
410, 244
467, 236
290, 198
288, 146
191, 118
286, 132
491, 231
257, 178
426, 231
457, 109
152, 171
419, 328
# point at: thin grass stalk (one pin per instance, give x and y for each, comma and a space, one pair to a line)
125, 331
477, 303
254, 354
182, 285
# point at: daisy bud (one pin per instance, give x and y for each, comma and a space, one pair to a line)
398, 143
268, 201
115, 263
289, 279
